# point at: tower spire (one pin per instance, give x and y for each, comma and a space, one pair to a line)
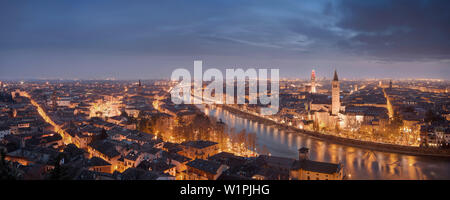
335, 76
139, 87
335, 96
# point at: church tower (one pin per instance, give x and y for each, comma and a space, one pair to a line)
139, 88
313, 81
335, 97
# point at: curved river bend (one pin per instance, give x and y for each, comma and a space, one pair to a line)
359, 163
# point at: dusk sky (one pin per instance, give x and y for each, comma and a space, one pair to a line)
149, 39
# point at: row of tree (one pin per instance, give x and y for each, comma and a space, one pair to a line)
201, 127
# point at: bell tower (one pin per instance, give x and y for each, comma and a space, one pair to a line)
139, 89
313, 81
335, 97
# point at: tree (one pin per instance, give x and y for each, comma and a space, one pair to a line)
431, 117
337, 128
143, 125
7, 171
251, 142
124, 114
316, 125
60, 172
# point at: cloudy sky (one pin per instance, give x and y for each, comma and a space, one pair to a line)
92, 39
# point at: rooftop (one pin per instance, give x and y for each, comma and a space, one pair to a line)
205, 165
314, 166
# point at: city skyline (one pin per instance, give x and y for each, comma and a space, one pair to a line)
319, 78
145, 40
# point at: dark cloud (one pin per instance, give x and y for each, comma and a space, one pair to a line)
397, 30
294, 33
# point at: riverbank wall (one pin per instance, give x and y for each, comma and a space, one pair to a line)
383, 147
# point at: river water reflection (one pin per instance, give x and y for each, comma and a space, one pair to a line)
359, 163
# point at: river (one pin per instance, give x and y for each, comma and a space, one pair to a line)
361, 164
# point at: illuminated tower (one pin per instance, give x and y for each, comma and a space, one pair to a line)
335, 97
390, 84
139, 87
313, 81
